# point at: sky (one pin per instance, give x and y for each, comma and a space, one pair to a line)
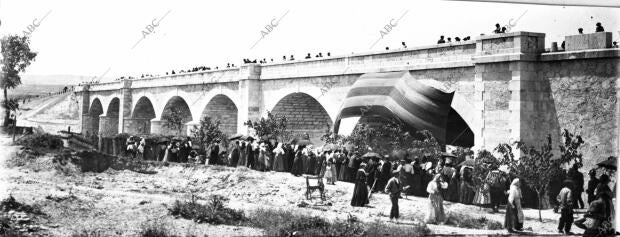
121, 38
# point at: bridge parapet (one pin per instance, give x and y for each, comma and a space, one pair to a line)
193, 78
115, 85
400, 59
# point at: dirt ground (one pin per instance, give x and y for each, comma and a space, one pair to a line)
118, 203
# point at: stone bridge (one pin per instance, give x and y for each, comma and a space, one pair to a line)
508, 87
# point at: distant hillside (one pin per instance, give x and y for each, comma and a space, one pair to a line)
32, 89
57, 79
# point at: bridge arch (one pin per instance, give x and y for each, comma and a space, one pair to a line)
108, 123
141, 115
175, 108
305, 114
222, 108
95, 110
113, 107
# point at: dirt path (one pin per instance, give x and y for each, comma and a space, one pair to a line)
119, 202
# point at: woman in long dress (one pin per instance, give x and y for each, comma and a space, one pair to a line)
483, 195
360, 192
435, 212
249, 157
243, 155
349, 174
342, 175
601, 211
333, 169
278, 162
311, 158
289, 154
330, 172
466, 190
263, 157
298, 163
514, 212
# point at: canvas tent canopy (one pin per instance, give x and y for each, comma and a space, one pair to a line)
399, 97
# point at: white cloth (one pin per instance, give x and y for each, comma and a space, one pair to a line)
514, 197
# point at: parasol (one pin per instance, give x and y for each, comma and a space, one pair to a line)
446, 154
304, 142
236, 137
371, 155
610, 163
164, 139
330, 147
470, 162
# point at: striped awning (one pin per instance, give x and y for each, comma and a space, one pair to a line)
397, 96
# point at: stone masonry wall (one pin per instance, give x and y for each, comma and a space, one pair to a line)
585, 99
223, 109
137, 126
496, 96
304, 114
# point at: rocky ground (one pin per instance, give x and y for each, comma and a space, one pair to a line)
118, 203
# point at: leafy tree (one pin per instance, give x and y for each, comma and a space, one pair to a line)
535, 166
16, 56
570, 149
207, 132
366, 138
482, 166
271, 127
425, 144
386, 137
11, 104
461, 154
330, 137
174, 120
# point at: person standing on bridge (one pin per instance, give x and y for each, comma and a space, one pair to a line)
599, 27
441, 40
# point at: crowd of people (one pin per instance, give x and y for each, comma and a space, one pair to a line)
439, 181
443, 40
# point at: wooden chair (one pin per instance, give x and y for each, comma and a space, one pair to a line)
319, 186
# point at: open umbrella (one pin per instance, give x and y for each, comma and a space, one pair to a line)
330, 147
236, 137
304, 142
248, 138
470, 162
164, 139
399, 154
610, 163
446, 154
371, 155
